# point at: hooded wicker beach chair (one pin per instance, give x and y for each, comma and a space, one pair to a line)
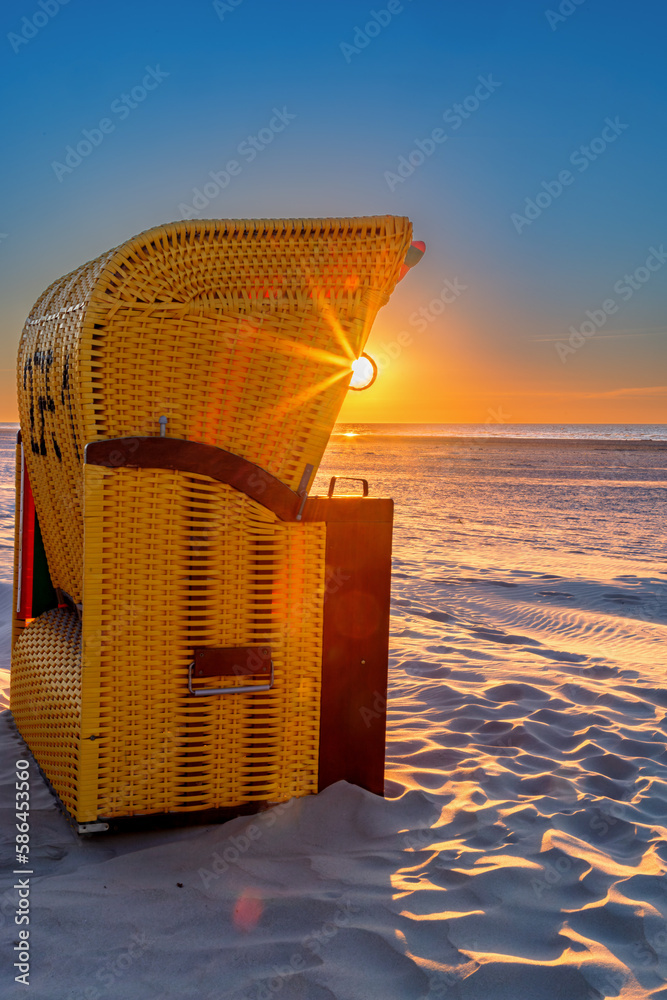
192, 631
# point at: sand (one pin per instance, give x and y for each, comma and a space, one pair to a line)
520, 851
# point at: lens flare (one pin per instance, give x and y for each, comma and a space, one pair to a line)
364, 373
247, 911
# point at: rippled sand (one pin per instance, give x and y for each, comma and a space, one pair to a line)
521, 849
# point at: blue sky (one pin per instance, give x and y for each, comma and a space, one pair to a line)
558, 72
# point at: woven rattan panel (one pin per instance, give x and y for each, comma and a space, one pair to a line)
242, 333
49, 396
175, 561
46, 698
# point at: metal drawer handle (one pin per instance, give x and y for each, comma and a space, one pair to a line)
226, 662
347, 479
206, 692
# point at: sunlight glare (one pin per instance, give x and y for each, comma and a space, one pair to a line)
364, 372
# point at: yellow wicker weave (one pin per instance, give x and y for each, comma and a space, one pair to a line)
235, 576
46, 697
242, 334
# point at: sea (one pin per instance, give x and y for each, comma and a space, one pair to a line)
486, 493
550, 499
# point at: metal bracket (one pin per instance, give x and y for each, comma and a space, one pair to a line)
92, 827
207, 692
211, 661
303, 489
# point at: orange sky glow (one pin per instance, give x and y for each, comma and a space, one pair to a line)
488, 355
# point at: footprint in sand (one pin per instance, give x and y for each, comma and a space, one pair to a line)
620, 597
496, 635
